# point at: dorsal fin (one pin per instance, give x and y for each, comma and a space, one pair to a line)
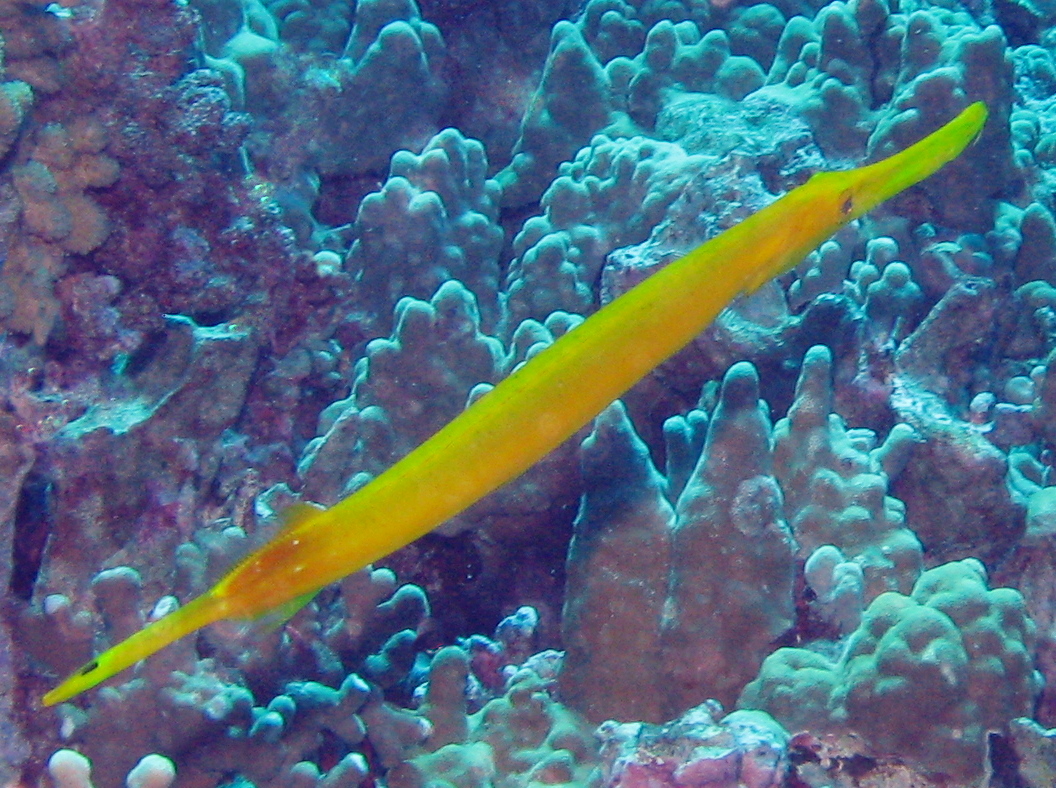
298, 514
291, 518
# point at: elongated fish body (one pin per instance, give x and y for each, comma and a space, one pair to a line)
540, 404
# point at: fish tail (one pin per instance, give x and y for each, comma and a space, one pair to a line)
196, 614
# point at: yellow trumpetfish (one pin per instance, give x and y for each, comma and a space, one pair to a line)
541, 403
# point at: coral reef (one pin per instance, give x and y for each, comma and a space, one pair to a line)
744, 748
952, 646
254, 251
434, 218
70, 769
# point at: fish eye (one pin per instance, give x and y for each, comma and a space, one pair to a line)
846, 204
91, 666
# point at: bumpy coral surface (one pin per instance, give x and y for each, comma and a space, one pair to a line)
252, 252
954, 649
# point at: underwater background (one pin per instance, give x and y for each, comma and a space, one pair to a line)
254, 251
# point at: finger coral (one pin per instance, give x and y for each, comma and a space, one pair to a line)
254, 251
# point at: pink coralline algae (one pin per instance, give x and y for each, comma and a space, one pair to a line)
740, 750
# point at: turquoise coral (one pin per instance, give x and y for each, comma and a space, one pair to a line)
953, 649
620, 129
